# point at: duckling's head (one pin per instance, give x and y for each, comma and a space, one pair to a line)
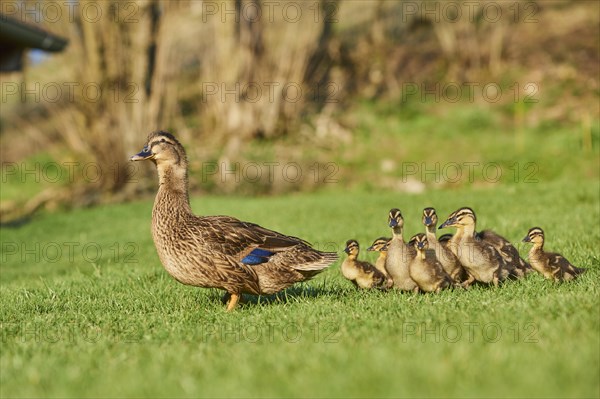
162, 148
535, 236
380, 245
419, 241
429, 217
352, 248
395, 219
460, 218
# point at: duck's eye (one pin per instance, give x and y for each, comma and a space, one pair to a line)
163, 140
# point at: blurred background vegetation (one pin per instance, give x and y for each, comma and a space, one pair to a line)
356, 94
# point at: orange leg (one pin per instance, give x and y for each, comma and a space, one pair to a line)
233, 301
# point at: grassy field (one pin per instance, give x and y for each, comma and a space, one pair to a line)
86, 309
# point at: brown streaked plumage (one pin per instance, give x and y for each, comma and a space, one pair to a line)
362, 274
551, 265
509, 253
399, 254
480, 259
425, 269
445, 256
219, 251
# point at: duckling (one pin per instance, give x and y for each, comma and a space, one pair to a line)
219, 251
480, 259
399, 254
551, 265
427, 271
513, 261
361, 274
381, 245
445, 256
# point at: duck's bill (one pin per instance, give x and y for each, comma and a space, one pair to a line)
140, 156
526, 239
445, 224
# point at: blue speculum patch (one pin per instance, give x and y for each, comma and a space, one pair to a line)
257, 256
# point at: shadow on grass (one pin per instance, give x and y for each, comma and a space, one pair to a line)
295, 294
335, 292
15, 223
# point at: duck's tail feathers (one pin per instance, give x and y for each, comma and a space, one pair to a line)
317, 263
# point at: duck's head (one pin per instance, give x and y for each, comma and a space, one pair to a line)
429, 217
352, 248
419, 241
460, 218
380, 245
162, 148
395, 219
535, 236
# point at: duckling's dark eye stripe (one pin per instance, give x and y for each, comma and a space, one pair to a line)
464, 213
160, 141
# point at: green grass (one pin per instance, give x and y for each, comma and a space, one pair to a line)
116, 324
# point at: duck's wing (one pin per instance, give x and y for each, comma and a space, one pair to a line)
444, 239
376, 276
248, 242
366, 267
560, 262
504, 247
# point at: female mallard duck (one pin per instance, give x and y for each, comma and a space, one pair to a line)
481, 260
551, 265
425, 269
381, 245
399, 254
445, 256
219, 251
361, 274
